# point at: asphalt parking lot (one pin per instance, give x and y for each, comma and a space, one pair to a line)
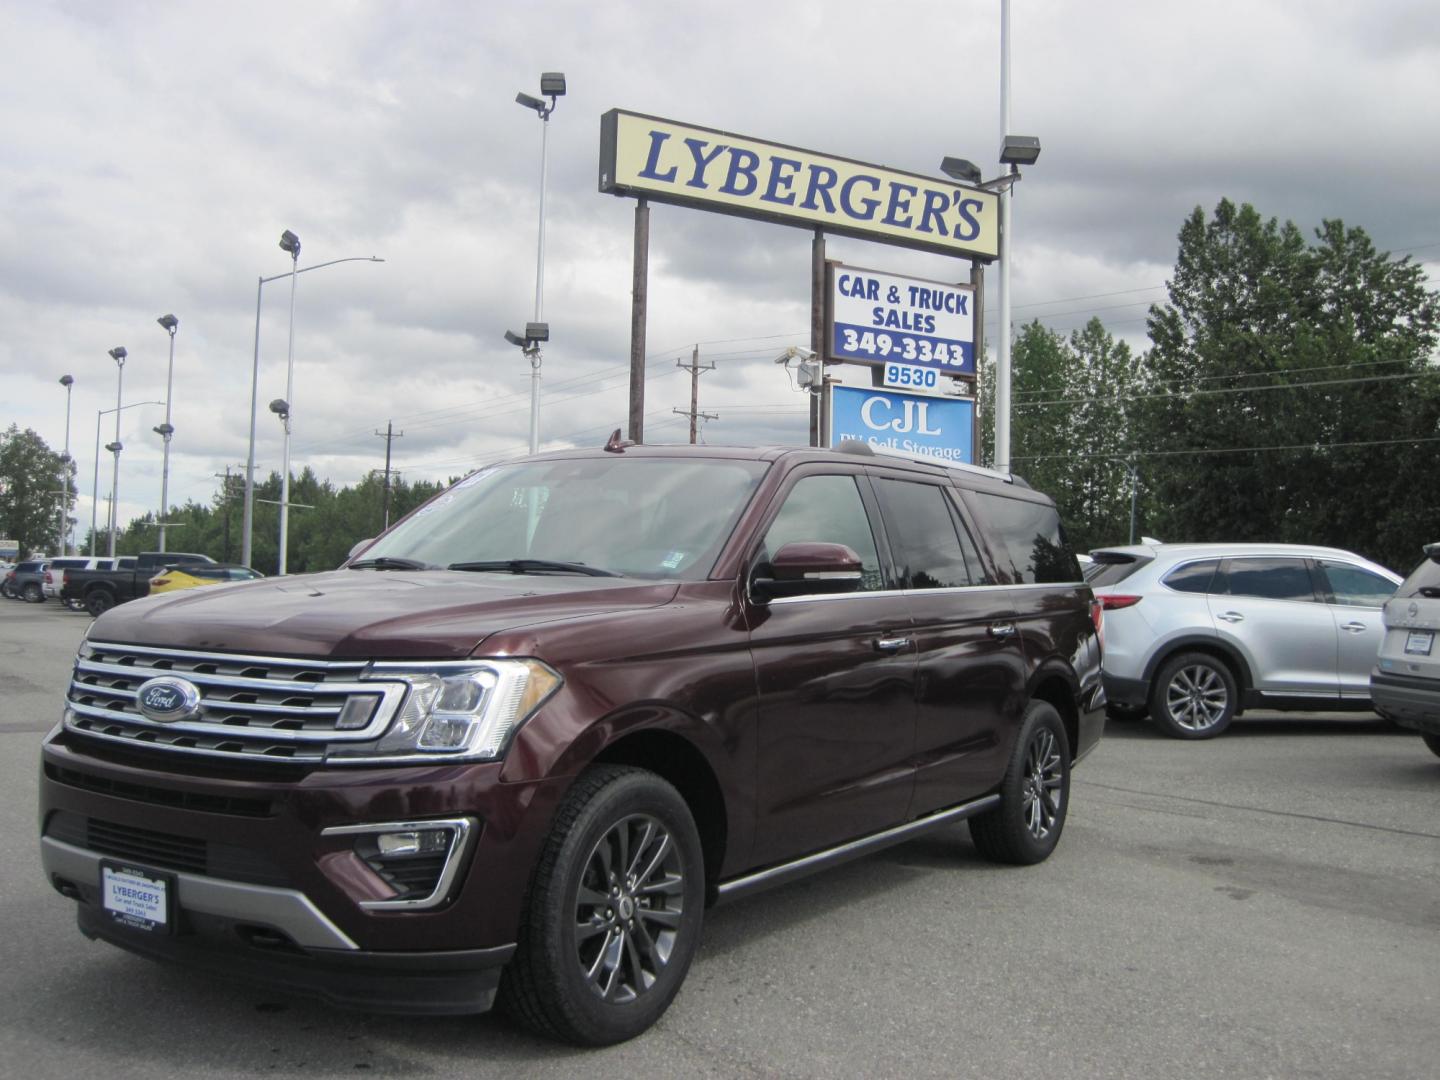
1262, 905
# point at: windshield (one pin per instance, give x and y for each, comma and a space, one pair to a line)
649, 518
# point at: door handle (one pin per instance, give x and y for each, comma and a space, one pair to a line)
891, 644
1231, 617
1002, 630
1353, 627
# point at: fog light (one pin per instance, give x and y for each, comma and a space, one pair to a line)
357, 713
413, 843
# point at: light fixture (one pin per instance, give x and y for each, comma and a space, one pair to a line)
67, 380
291, 243
514, 339
1019, 150
163, 430
552, 84
961, 169
169, 322
118, 354
280, 407
529, 102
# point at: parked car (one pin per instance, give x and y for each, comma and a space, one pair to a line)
193, 575
54, 570
100, 590
27, 581
1406, 681
7, 578
1196, 633
518, 743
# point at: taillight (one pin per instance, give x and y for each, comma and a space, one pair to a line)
1113, 602
1097, 618
48, 579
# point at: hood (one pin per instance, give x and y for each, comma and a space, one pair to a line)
379, 614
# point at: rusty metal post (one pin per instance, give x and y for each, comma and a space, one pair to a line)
977, 278
638, 300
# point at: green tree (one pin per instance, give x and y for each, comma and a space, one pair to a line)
1293, 383
33, 480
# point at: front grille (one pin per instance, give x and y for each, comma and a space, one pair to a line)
160, 796
166, 851
251, 707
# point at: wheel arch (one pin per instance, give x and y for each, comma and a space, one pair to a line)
1057, 686
680, 763
1212, 646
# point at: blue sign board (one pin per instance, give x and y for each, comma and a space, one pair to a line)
939, 427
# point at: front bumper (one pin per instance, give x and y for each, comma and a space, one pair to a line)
263, 894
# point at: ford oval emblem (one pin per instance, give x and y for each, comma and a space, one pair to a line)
166, 699
1413, 610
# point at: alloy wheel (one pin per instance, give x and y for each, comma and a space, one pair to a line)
1043, 784
1197, 698
628, 909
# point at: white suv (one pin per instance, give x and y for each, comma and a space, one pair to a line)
1406, 681
1195, 633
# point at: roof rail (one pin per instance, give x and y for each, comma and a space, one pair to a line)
865, 449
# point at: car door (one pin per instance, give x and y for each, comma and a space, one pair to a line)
1266, 607
835, 679
1356, 599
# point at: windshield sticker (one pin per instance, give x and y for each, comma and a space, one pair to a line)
473, 479
442, 503
673, 560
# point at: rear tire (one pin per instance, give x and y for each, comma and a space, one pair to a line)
1034, 795
99, 602
1194, 696
612, 916
32, 593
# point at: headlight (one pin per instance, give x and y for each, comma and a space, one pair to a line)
465, 711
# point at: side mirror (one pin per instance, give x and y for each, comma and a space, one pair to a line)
807, 568
359, 547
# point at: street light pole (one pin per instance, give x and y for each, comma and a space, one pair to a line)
1002, 353
291, 243
552, 84
247, 520
95, 490
170, 325
118, 354
67, 381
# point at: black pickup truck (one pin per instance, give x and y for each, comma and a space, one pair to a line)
100, 590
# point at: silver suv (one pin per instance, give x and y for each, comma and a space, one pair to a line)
1196, 633
1406, 681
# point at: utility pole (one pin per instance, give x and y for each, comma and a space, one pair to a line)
225, 478
695, 368
389, 435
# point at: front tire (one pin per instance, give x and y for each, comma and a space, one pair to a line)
1194, 696
99, 602
1034, 796
33, 593
613, 913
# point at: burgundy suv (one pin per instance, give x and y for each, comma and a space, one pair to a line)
522, 740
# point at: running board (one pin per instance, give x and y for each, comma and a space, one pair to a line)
853, 849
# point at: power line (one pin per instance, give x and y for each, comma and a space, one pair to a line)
1227, 390
1241, 449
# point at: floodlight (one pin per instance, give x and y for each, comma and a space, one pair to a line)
67, 380
514, 339
552, 84
1019, 150
291, 243
537, 331
961, 169
118, 354
164, 429
529, 102
169, 322
280, 407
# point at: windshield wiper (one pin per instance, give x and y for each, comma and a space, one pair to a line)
389, 562
533, 566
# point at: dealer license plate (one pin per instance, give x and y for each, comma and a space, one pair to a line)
138, 899
1419, 642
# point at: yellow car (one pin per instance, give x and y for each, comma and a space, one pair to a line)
193, 575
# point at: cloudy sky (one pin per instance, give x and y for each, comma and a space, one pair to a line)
153, 152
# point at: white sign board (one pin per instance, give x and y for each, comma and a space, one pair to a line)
884, 318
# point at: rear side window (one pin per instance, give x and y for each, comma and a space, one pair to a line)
1352, 586
1032, 549
1193, 577
1268, 579
929, 552
1113, 567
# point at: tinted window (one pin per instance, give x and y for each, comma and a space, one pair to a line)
1354, 586
1032, 545
827, 509
928, 552
1193, 577
1112, 567
1269, 579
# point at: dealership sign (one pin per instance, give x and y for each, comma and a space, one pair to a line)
938, 427
648, 157
886, 319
